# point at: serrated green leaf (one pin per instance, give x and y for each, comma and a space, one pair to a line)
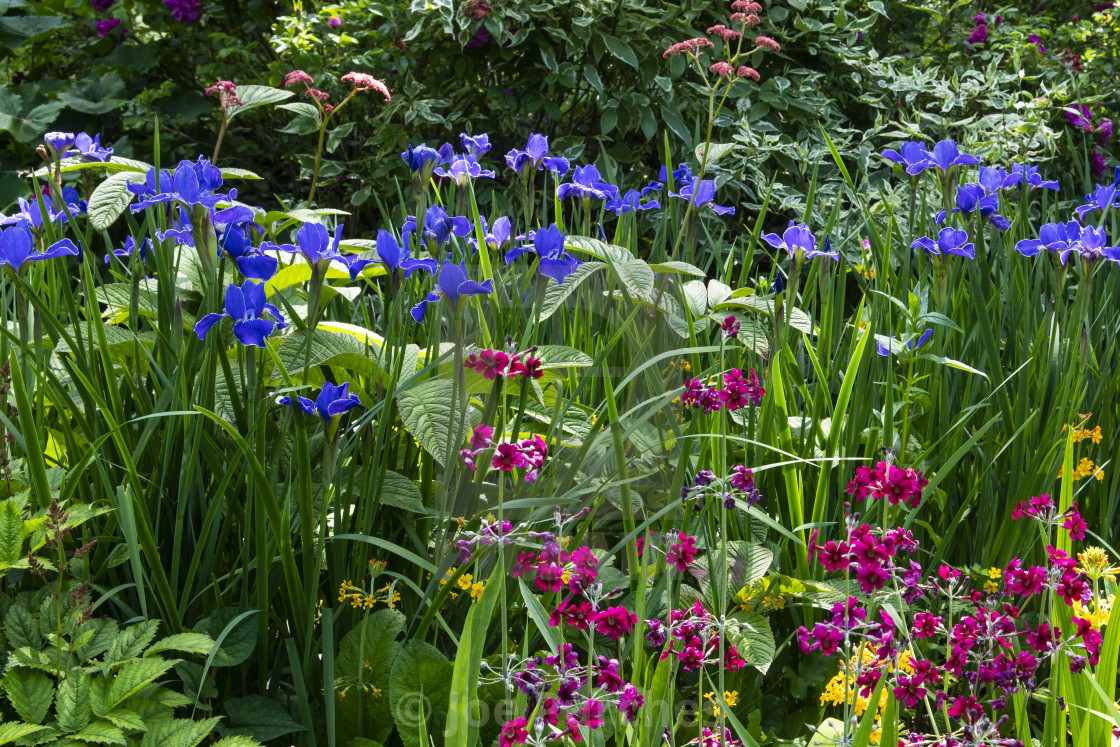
10, 732
400, 492
110, 198
191, 643
129, 721
562, 356
178, 732
102, 732
21, 628
72, 705
11, 533
754, 640
135, 676
30, 692
131, 642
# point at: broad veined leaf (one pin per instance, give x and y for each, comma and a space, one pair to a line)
133, 677
73, 705
427, 410
30, 693
110, 199
716, 151
420, 687
178, 732
191, 643
754, 640
258, 717
11, 533
365, 659
253, 96
555, 295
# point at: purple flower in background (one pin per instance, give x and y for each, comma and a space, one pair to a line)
995, 178
949, 241
912, 156
438, 226
1080, 117
17, 248
702, 192
183, 10
246, 306
335, 22
464, 169
475, 146
979, 35
1033, 39
552, 260
1101, 198
30, 213
799, 241
421, 158
59, 141
681, 175
332, 402
1104, 131
978, 19
106, 25
102, 5
481, 38
1097, 162
452, 285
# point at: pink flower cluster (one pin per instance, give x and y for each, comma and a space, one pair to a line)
493, 364
366, 82
884, 480
567, 705
548, 567
226, 92
692, 638
724, 33
688, 46
871, 553
1042, 508
730, 326
680, 551
735, 393
526, 454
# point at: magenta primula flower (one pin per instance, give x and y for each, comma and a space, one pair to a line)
615, 622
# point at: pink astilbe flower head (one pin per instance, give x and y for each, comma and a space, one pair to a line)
297, 77
366, 82
722, 69
765, 42
723, 32
688, 46
226, 92
315, 93
748, 72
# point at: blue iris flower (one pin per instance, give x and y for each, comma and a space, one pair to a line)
702, 192
463, 169
799, 241
332, 402
587, 183
949, 241
453, 286
912, 156
1089, 243
1054, 237
246, 306
29, 211
59, 141
438, 226
90, 147
995, 178
236, 243
552, 260
630, 202
971, 198
1101, 198
17, 248
315, 243
397, 258
1030, 175
495, 237
130, 248
885, 348
681, 175
946, 155
191, 184
475, 146
421, 157
535, 157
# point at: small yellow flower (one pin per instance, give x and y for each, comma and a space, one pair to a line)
476, 590
464, 582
